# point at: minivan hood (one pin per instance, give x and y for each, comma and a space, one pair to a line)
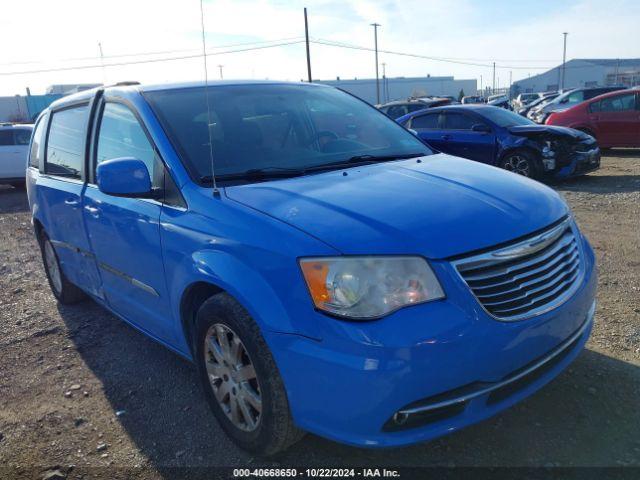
437, 206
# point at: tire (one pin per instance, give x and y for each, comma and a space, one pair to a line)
268, 430
521, 162
64, 291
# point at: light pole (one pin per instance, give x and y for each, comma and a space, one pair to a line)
220, 67
375, 39
564, 58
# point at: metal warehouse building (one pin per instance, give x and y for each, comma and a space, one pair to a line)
400, 88
584, 73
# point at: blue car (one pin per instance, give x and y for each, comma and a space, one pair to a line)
505, 139
323, 269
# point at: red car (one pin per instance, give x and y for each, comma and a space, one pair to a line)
613, 118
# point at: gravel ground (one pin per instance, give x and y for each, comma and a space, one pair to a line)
79, 389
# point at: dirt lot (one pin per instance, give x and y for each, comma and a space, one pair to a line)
79, 388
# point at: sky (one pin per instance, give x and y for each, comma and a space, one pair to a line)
522, 37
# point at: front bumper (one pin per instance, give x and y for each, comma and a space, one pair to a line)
579, 163
349, 386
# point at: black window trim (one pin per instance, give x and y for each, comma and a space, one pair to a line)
93, 148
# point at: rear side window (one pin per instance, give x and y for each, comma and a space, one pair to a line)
6, 138
425, 121
34, 155
65, 144
622, 103
458, 121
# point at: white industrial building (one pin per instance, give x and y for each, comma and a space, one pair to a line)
400, 88
583, 73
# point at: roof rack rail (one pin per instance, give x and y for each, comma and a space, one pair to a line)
124, 84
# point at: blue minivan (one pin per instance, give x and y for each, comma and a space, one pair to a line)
320, 265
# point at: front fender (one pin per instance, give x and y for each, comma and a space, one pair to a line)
248, 286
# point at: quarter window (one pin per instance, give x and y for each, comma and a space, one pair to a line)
34, 155
121, 135
65, 144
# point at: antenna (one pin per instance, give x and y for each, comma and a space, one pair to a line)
206, 94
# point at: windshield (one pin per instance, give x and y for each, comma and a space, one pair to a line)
277, 128
503, 117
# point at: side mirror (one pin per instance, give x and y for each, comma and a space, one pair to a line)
124, 177
481, 128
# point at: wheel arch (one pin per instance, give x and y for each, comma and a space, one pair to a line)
192, 299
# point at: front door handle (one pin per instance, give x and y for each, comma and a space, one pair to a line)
446, 137
72, 202
93, 211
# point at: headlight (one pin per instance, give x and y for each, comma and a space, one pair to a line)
369, 287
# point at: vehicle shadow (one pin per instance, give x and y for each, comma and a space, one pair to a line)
13, 200
587, 416
623, 152
600, 184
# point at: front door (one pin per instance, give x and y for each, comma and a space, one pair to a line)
124, 233
464, 142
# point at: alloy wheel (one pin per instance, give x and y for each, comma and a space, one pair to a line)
518, 164
233, 377
52, 267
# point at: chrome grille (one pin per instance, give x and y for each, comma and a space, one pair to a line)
526, 278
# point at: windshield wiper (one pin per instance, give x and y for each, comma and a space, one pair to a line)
364, 160
257, 174
283, 172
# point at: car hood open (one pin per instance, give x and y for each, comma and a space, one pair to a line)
438, 207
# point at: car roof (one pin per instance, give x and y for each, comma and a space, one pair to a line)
151, 87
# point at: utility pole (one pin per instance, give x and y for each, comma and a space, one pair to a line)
375, 38
220, 67
493, 85
481, 87
104, 81
384, 81
564, 58
306, 36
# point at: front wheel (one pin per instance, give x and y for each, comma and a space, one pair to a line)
240, 379
522, 163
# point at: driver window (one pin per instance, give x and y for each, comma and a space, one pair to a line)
121, 135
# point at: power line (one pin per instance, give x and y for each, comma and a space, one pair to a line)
151, 60
156, 52
320, 41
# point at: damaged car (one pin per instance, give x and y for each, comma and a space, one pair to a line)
505, 139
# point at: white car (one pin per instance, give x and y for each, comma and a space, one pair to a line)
14, 148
